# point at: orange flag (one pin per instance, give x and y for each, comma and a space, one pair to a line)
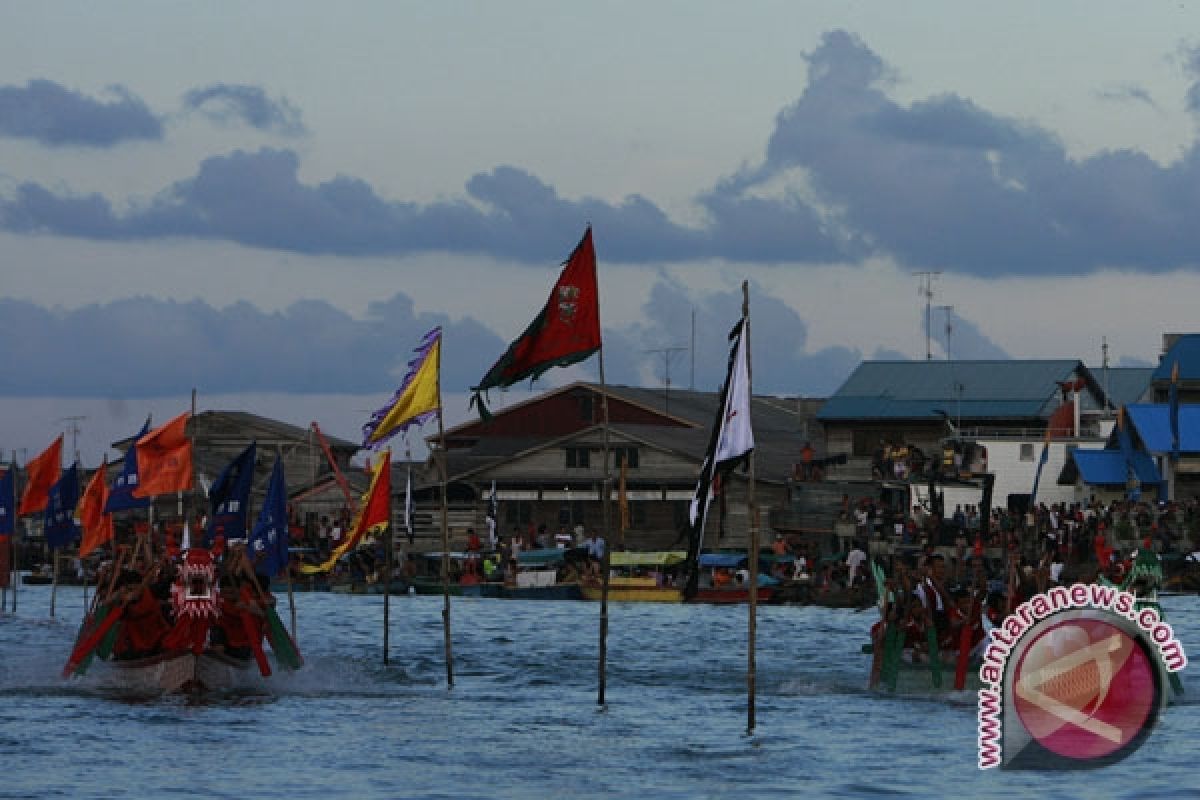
43, 472
164, 458
97, 526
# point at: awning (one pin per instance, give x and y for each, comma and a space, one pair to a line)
665, 558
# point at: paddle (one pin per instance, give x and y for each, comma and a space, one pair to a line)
254, 634
935, 659
103, 646
92, 640
281, 642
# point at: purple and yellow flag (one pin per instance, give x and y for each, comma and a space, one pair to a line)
418, 398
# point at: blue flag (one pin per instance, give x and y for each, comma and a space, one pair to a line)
120, 494
230, 498
60, 528
8, 502
269, 540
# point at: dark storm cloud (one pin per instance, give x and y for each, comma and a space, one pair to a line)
143, 347
248, 105
847, 173
53, 115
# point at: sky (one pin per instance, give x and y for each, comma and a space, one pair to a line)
271, 203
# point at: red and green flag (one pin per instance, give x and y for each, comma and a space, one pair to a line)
565, 332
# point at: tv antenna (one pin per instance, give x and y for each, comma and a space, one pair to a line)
926, 291
74, 429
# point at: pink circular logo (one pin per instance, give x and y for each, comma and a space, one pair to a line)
1084, 688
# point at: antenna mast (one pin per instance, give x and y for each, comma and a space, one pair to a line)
926, 291
667, 353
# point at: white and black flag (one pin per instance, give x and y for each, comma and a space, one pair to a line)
493, 514
731, 440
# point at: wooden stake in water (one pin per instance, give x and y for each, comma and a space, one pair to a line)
752, 507
445, 543
606, 488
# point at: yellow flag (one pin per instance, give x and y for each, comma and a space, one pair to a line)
418, 396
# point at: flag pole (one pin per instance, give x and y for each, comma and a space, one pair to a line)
16, 551
387, 571
445, 539
604, 570
752, 508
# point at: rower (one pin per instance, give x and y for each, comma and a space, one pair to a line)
931, 591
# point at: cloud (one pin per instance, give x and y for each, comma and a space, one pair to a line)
53, 115
965, 340
248, 105
1128, 93
781, 363
143, 347
848, 174
146, 347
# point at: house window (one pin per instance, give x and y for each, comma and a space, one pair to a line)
578, 458
630, 454
585, 408
1027, 452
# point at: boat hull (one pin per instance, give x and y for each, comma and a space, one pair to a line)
184, 671
633, 590
558, 591
737, 595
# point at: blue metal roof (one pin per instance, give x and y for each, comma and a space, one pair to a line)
1152, 422
1124, 385
971, 390
1186, 351
1107, 467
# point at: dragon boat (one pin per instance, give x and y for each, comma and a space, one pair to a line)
211, 643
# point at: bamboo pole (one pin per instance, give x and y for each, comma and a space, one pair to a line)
445, 542
54, 586
387, 575
606, 484
753, 510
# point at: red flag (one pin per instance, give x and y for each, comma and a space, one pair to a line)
566, 331
97, 526
375, 513
43, 472
165, 459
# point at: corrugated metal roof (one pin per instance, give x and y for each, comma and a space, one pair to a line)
1186, 351
1152, 422
1107, 467
1125, 385
972, 390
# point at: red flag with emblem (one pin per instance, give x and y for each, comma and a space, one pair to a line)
565, 332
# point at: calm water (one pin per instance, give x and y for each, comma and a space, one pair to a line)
522, 721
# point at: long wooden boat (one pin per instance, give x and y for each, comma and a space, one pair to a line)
712, 590
632, 589
183, 671
640, 577
189, 650
732, 594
